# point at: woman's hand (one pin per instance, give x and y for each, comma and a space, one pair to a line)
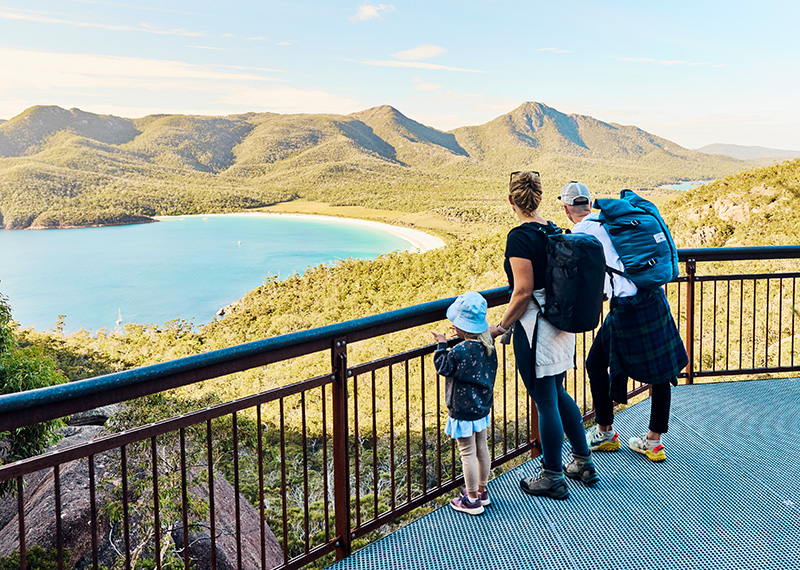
495, 331
438, 337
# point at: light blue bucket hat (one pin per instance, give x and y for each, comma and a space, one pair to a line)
468, 312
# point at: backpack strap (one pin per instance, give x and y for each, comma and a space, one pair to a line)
534, 342
549, 230
535, 339
611, 271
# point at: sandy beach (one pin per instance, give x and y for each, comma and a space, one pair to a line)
420, 240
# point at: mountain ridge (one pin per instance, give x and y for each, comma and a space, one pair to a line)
744, 152
63, 167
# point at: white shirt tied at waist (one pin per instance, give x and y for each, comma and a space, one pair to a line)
555, 349
622, 287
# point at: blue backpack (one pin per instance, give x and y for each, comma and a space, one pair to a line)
641, 238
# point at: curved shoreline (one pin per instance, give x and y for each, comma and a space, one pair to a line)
420, 240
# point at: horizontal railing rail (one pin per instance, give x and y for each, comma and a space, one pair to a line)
739, 253
52, 402
328, 461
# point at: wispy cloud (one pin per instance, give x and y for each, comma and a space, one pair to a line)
410, 59
95, 81
251, 68
422, 85
555, 50
667, 62
209, 48
56, 70
136, 7
418, 53
419, 65
371, 12
46, 18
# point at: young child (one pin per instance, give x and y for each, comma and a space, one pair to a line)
469, 370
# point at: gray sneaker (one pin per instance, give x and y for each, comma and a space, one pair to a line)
547, 484
602, 440
581, 468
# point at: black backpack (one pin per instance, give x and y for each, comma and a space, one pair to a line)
576, 268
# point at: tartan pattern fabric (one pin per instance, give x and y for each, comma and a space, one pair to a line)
642, 341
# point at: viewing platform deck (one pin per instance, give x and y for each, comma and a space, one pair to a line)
727, 496
305, 469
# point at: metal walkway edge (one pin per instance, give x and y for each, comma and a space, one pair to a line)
728, 496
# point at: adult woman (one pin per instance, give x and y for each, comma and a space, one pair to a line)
543, 352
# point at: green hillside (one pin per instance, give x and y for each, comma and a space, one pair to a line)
203, 144
413, 143
757, 207
67, 167
34, 129
605, 156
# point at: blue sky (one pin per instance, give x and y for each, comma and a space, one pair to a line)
695, 72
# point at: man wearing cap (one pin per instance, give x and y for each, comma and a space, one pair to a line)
635, 324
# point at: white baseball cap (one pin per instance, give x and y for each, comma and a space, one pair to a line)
575, 193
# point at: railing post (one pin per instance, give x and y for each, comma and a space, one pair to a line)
691, 269
341, 464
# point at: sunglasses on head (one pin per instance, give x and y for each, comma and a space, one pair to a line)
521, 172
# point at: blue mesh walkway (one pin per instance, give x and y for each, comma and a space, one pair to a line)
728, 496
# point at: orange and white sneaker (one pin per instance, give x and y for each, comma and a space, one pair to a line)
602, 440
652, 449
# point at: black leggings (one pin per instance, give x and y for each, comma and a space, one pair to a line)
597, 369
559, 415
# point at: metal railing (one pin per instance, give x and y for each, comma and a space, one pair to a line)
316, 467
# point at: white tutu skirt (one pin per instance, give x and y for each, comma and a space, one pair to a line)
465, 428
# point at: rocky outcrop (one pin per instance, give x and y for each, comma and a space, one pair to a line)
96, 417
701, 237
40, 515
732, 212
225, 521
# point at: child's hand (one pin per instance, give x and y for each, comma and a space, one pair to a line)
438, 337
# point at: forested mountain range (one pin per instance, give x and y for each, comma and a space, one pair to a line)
749, 152
63, 167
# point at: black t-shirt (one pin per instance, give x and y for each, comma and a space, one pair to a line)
529, 242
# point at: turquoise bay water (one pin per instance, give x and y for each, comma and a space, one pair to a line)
183, 267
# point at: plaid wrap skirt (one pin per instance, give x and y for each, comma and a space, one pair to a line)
642, 342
